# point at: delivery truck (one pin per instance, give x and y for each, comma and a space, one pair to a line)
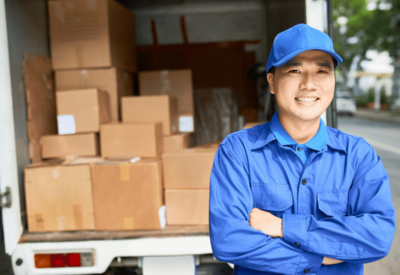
169, 35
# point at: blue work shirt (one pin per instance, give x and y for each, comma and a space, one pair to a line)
338, 204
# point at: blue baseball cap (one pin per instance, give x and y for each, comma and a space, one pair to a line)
298, 39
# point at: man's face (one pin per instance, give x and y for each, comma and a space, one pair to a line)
304, 86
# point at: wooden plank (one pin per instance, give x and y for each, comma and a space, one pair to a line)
168, 231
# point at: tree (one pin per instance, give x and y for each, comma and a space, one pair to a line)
357, 29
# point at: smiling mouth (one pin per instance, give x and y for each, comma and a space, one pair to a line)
307, 99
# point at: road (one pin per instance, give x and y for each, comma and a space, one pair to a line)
385, 138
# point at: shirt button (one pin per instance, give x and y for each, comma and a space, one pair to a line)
296, 244
304, 181
307, 270
298, 149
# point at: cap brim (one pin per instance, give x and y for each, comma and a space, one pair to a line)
285, 59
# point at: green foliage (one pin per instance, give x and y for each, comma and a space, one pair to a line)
361, 101
385, 99
375, 29
370, 96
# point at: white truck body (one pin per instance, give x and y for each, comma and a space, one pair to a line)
105, 250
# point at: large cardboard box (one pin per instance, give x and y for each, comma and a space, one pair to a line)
176, 142
177, 83
139, 109
59, 197
187, 207
62, 146
128, 196
188, 169
126, 140
92, 34
115, 82
82, 111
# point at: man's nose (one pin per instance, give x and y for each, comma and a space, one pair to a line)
307, 83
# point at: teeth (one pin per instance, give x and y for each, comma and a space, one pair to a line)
306, 99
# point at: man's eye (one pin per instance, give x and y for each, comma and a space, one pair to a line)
294, 71
322, 72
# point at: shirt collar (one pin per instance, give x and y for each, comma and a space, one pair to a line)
277, 132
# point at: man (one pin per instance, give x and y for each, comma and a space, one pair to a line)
293, 196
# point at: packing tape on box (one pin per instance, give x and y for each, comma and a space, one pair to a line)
78, 217
61, 223
165, 82
39, 223
84, 79
128, 223
124, 174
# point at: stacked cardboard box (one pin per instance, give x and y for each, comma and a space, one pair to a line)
93, 45
59, 196
142, 140
186, 182
79, 116
176, 83
128, 196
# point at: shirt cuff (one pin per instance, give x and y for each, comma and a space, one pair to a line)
310, 263
294, 229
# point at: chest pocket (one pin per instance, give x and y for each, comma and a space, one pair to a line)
272, 197
333, 203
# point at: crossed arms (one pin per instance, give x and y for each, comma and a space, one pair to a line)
258, 240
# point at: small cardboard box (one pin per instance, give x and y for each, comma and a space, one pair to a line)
82, 111
187, 207
56, 146
177, 83
59, 197
188, 169
115, 82
176, 142
162, 108
128, 196
127, 140
91, 34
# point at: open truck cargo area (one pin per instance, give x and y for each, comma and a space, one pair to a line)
142, 91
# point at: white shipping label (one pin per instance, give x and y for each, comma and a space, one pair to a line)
163, 219
66, 124
186, 124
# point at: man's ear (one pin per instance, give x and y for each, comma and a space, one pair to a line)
271, 81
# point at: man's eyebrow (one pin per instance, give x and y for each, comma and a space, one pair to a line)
324, 64
292, 64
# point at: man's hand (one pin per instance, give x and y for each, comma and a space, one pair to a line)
329, 261
266, 222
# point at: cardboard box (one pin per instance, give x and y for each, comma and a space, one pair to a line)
188, 169
162, 108
56, 146
177, 83
126, 140
115, 82
214, 145
82, 111
59, 197
92, 34
187, 207
128, 196
176, 142
252, 124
